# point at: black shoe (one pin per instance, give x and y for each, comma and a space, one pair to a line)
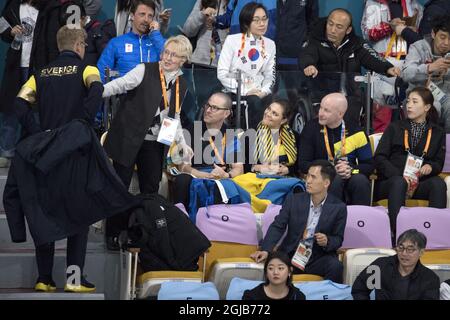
45, 285
84, 287
112, 243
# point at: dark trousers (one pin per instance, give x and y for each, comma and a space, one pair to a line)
353, 191
327, 266
149, 162
181, 192
394, 189
75, 254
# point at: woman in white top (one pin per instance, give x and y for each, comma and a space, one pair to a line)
252, 54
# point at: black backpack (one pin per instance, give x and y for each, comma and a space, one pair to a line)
166, 236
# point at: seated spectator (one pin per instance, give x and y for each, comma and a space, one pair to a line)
200, 24
220, 162
421, 142
143, 44
343, 144
252, 54
315, 222
156, 92
428, 64
399, 277
333, 46
278, 281
123, 19
270, 156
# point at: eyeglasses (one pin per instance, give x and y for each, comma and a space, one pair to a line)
259, 20
169, 54
409, 250
84, 44
213, 108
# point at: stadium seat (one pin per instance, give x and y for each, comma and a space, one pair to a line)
434, 223
228, 223
355, 260
367, 227
232, 231
297, 278
181, 207
176, 290
149, 283
271, 212
438, 261
238, 286
325, 290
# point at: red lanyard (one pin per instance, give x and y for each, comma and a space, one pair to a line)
216, 152
164, 92
427, 144
327, 143
263, 47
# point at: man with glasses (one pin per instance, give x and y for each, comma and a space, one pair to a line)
217, 154
399, 277
143, 44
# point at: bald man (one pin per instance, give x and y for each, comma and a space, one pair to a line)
343, 144
333, 47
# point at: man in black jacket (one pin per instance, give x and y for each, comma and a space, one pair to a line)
333, 47
344, 144
64, 90
399, 277
315, 221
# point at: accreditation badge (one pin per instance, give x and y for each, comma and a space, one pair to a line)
301, 256
168, 131
437, 93
411, 171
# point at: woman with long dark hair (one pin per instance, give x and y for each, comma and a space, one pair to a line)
410, 156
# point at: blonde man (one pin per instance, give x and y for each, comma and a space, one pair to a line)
64, 90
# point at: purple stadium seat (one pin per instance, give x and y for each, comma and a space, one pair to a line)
367, 227
181, 207
228, 223
269, 215
434, 223
447, 154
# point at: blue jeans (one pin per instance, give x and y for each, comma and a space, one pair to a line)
10, 128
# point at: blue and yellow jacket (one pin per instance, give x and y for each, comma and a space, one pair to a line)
357, 146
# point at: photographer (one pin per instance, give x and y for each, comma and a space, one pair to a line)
345, 145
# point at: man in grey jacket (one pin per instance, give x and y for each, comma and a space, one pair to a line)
428, 64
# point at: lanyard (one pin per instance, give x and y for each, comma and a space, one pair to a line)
327, 143
216, 152
263, 47
427, 144
164, 92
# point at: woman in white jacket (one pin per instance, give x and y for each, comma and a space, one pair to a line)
252, 54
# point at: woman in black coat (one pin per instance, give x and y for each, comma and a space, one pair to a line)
278, 281
420, 136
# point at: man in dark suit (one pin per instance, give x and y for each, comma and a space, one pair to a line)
316, 222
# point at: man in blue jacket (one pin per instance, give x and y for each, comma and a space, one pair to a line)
315, 221
143, 44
